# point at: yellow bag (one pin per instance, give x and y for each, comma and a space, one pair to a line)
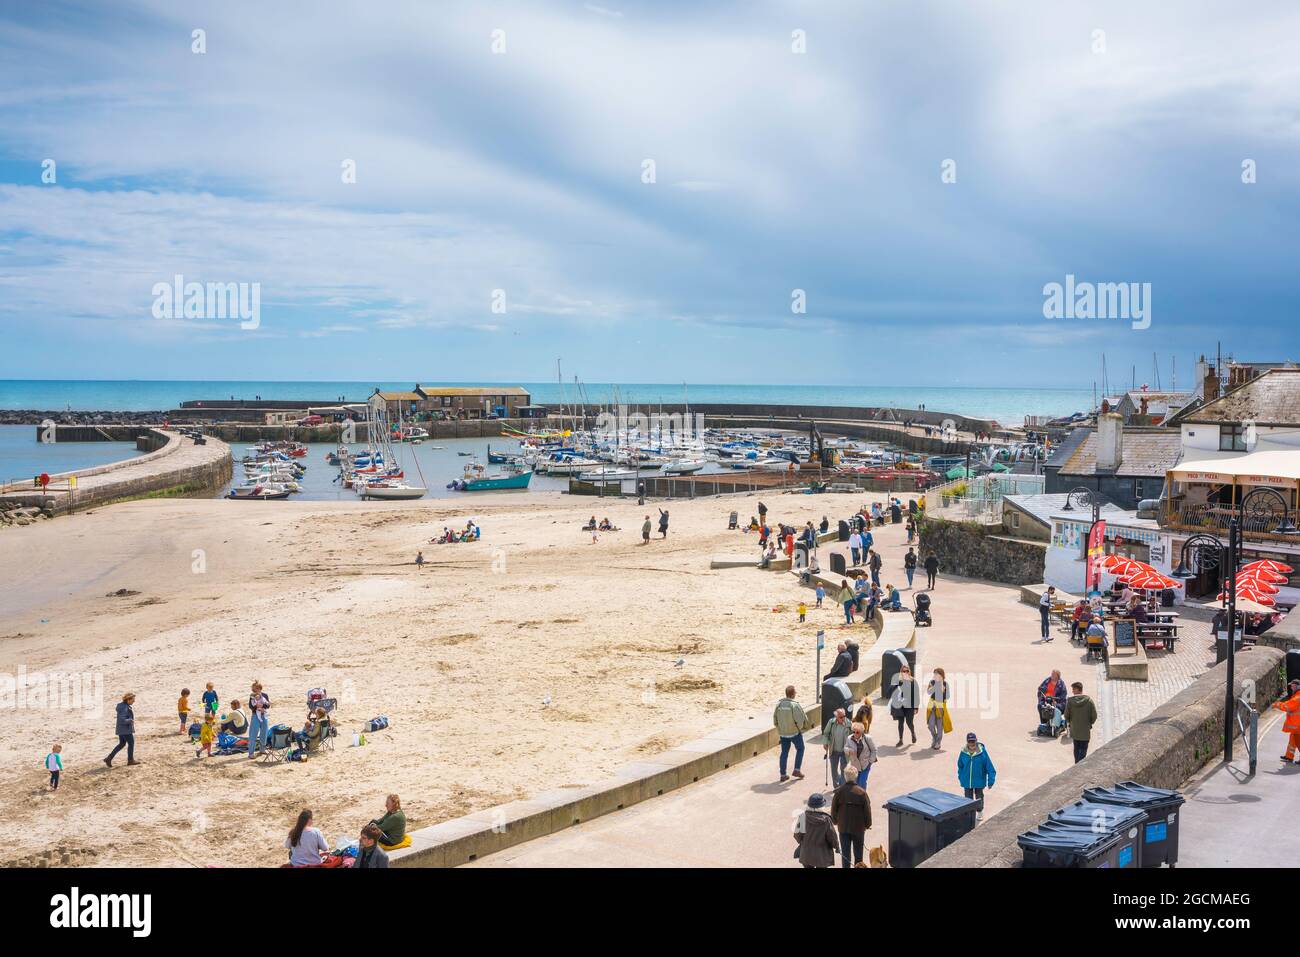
404, 842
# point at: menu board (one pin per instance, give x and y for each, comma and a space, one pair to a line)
1124, 632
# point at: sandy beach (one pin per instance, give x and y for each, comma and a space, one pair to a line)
531, 660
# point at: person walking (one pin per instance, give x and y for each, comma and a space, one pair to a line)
911, 526
851, 815
904, 702
1080, 714
1291, 708
834, 736
791, 722
663, 523
814, 832
931, 570
874, 563
762, 514
859, 754
909, 566
645, 531
937, 717
855, 548
258, 703
975, 771
1045, 611
125, 730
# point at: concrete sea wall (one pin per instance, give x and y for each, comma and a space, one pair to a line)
476, 835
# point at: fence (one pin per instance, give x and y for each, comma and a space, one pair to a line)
980, 499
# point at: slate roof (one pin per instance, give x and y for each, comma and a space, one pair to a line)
1271, 399
1043, 508
1146, 453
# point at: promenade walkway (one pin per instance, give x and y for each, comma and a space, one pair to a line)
988, 643
1234, 820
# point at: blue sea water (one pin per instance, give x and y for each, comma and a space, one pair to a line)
22, 457
1007, 405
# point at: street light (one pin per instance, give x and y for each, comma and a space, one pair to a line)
1087, 498
1212, 554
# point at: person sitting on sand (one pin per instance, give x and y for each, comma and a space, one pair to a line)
235, 722
392, 825
307, 845
591, 525
605, 525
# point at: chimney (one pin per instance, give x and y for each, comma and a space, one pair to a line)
1210, 384
1110, 441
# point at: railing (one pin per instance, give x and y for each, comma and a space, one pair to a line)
1215, 519
981, 497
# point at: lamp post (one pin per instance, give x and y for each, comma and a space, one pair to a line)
1213, 554
1087, 498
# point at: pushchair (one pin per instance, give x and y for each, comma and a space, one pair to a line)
921, 614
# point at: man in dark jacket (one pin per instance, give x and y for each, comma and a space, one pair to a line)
843, 666
931, 569
1080, 715
814, 832
851, 813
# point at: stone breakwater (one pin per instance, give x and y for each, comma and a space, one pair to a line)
172, 466
67, 417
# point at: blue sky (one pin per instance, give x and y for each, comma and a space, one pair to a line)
1113, 156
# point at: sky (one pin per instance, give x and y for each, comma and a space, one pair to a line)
648, 190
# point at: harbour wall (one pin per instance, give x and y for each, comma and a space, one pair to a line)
172, 465
1162, 750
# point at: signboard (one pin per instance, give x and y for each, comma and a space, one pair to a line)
1124, 633
1096, 552
72, 481
821, 640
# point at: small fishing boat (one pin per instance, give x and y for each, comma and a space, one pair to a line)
251, 493
476, 479
684, 466
607, 475
392, 491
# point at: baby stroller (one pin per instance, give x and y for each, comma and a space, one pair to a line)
922, 613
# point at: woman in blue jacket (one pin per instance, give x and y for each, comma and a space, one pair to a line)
975, 771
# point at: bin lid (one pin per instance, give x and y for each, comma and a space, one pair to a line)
1077, 840
931, 803
1132, 794
1096, 816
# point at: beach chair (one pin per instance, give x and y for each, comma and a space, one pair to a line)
279, 742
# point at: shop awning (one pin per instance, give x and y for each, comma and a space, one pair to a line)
1280, 469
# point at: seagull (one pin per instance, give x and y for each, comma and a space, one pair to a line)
679, 662
546, 701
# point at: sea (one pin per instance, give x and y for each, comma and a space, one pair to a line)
1007, 405
21, 456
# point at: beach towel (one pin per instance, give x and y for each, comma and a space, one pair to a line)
404, 842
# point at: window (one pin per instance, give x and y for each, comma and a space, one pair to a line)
1232, 438
1015, 519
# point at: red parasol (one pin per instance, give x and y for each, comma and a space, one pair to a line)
1268, 565
1250, 594
1255, 584
1147, 578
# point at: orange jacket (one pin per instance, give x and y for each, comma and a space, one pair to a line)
1292, 708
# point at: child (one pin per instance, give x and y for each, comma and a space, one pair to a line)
803, 612
210, 702
54, 764
821, 593
207, 732
183, 707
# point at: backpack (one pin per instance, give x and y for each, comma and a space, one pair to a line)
377, 724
